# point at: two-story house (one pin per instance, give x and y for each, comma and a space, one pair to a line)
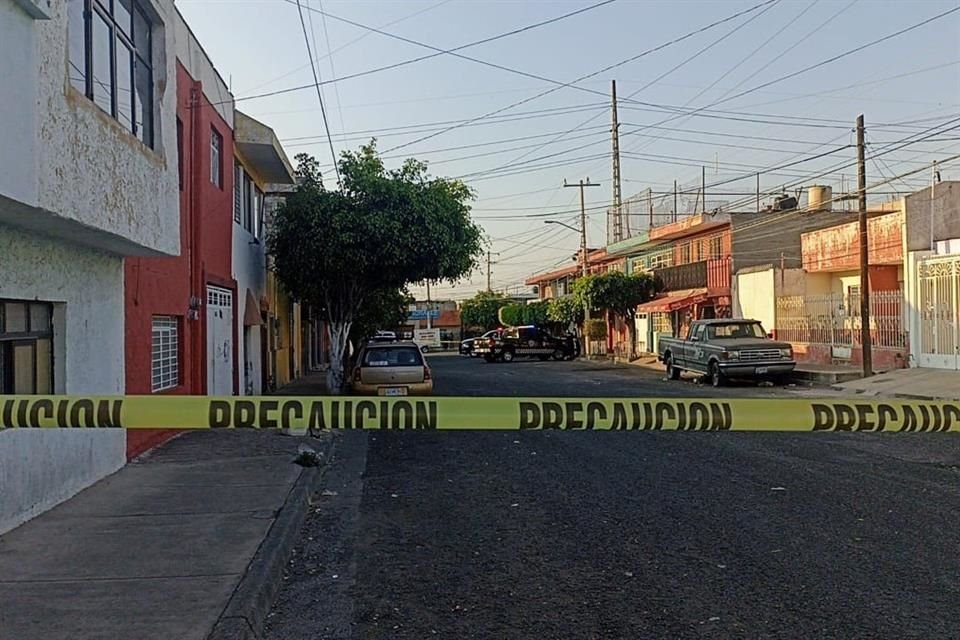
268, 322
180, 336
694, 265
88, 177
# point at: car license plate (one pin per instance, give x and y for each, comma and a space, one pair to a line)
761, 370
393, 391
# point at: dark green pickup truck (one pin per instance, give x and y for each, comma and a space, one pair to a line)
723, 349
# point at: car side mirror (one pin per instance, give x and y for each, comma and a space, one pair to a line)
694, 339
770, 335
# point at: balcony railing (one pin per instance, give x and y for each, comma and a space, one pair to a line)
712, 274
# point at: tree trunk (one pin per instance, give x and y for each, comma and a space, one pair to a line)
338, 345
632, 336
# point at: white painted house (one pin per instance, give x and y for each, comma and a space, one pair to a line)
88, 175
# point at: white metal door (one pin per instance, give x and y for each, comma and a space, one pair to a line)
938, 287
219, 341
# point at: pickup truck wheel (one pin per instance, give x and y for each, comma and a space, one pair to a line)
507, 356
672, 372
558, 354
716, 376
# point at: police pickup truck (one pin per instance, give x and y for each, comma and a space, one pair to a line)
724, 349
526, 342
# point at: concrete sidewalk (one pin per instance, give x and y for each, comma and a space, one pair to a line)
924, 384
171, 546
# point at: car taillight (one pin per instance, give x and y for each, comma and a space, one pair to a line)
356, 374
426, 372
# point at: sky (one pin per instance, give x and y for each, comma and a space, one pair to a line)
492, 127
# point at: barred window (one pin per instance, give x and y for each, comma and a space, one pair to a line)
661, 322
716, 247
165, 356
237, 192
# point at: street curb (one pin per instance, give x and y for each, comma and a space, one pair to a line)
245, 614
899, 396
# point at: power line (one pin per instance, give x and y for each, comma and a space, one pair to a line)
816, 65
884, 151
660, 77
842, 55
432, 126
333, 70
352, 42
740, 63
420, 58
453, 53
316, 77
589, 75
857, 85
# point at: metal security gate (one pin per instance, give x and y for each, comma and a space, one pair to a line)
938, 284
219, 341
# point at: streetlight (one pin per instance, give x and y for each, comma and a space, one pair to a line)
562, 224
583, 263
583, 242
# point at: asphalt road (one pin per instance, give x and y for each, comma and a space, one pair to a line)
627, 534
457, 376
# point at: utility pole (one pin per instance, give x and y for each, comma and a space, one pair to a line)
675, 212
429, 307
703, 186
583, 221
617, 194
489, 264
933, 188
758, 193
865, 341
650, 205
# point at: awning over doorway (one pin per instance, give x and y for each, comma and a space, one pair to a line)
251, 311
673, 300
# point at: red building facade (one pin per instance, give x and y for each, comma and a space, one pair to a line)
174, 305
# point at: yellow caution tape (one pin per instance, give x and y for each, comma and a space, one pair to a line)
656, 414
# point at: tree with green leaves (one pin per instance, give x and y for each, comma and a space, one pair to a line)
385, 229
565, 311
382, 309
620, 294
480, 311
520, 314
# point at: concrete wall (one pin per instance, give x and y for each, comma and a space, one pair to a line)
881, 278
93, 171
41, 468
946, 216
18, 109
818, 284
200, 67
753, 293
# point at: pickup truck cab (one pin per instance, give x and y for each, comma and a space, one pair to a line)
525, 342
724, 349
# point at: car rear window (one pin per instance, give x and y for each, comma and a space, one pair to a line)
392, 357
